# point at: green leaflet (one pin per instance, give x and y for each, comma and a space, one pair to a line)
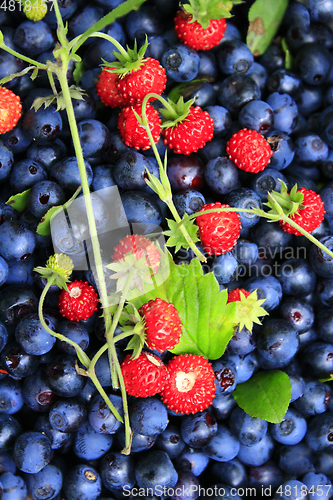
288, 62
43, 227
186, 89
208, 321
19, 201
266, 395
265, 17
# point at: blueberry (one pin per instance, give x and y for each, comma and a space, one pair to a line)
102, 177
170, 441
141, 208
234, 56
37, 393
277, 343
291, 430
75, 332
33, 38
83, 19
181, 63
148, 416
223, 447
198, 430
17, 141
204, 96
285, 111
66, 174
89, 444
6, 161
297, 278
315, 399
188, 202
10, 429
17, 241
231, 473
222, 120
257, 115
32, 452
57, 439
245, 198
130, 171
284, 82
17, 362
14, 487
310, 150
186, 172
313, 61
32, 336
43, 196
258, 453
258, 73
146, 21
292, 489
63, 378
155, 470
268, 288
192, 459
66, 415
318, 358
298, 313
82, 482
225, 268
94, 137
117, 471
309, 100
267, 475
221, 175
236, 90
43, 125
317, 484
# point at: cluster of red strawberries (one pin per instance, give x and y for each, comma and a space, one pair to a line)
186, 384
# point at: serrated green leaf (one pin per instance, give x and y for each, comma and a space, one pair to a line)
208, 321
266, 395
265, 17
39, 101
288, 61
176, 237
11, 77
186, 89
43, 227
19, 201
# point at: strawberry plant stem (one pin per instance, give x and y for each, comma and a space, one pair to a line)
114, 42
167, 188
32, 62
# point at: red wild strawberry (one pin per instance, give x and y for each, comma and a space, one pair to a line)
107, 90
144, 376
132, 133
249, 151
185, 128
148, 77
235, 295
218, 231
140, 246
194, 35
136, 75
191, 384
10, 110
79, 303
163, 328
310, 213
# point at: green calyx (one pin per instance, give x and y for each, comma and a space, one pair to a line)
129, 60
248, 310
139, 271
285, 203
175, 112
59, 267
203, 11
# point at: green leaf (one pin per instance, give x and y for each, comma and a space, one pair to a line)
186, 89
19, 201
265, 17
266, 395
176, 237
78, 71
288, 61
208, 321
44, 227
11, 77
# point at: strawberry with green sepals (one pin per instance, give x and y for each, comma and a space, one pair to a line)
132, 132
10, 110
137, 75
302, 206
78, 302
249, 151
218, 231
140, 246
191, 384
107, 90
162, 324
144, 376
235, 295
185, 128
200, 24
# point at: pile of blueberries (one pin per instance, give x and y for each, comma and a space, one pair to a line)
58, 439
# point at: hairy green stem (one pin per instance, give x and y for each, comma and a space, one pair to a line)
122, 336
168, 201
89, 208
32, 62
114, 42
